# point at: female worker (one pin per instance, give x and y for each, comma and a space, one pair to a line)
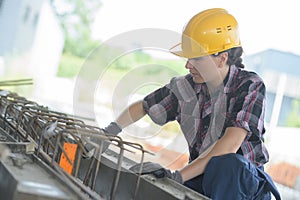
220, 109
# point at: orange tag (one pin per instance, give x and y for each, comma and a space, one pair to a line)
70, 150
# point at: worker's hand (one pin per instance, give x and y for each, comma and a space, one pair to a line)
112, 129
157, 170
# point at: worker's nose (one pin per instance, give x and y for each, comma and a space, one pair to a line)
189, 65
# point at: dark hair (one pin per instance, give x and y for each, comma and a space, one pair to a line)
234, 57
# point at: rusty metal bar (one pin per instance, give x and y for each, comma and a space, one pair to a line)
16, 82
48, 130
115, 182
98, 154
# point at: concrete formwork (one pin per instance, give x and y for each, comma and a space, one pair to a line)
36, 138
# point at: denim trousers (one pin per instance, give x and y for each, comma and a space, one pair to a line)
233, 177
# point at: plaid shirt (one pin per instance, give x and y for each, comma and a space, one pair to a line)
204, 114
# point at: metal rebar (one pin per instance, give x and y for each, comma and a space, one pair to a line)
28, 121
89, 172
77, 164
98, 154
118, 172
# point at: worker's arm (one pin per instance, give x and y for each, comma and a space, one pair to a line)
229, 143
131, 114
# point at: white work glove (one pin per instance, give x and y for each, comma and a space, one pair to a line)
158, 171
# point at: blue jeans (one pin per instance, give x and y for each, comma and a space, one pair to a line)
233, 177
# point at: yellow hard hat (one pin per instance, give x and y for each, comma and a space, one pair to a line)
209, 32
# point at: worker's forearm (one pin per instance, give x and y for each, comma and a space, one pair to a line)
198, 166
229, 143
131, 114
195, 168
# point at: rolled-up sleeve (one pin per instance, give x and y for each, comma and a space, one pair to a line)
248, 109
161, 105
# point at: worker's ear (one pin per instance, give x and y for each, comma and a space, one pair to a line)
222, 59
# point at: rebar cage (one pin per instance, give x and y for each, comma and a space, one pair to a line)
72, 151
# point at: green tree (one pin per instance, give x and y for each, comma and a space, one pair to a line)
76, 18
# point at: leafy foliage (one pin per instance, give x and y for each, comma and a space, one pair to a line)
70, 65
76, 17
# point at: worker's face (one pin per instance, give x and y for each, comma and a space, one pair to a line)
205, 69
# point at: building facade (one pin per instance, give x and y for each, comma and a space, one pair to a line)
281, 73
31, 38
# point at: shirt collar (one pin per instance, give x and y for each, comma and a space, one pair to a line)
227, 82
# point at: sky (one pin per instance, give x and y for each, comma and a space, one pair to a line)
263, 24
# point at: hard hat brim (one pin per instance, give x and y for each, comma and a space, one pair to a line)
177, 50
